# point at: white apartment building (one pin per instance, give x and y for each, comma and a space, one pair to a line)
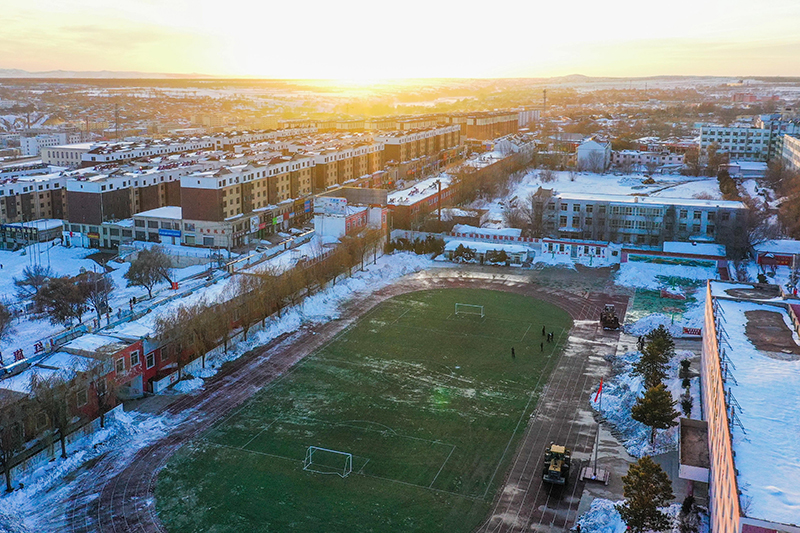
760, 142
634, 219
790, 152
32, 146
639, 160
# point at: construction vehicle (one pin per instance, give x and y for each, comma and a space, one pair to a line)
609, 318
556, 464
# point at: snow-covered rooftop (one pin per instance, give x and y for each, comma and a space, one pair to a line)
620, 198
170, 211
695, 248
483, 247
767, 387
22, 381
91, 343
67, 361
41, 224
507, 232
418, 192
782, 246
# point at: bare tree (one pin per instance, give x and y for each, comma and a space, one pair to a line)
6, 318
62, 299
150, 267
12, 433
33, 278
53, 394
105, 388
97, 289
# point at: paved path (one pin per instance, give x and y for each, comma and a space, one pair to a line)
118, 496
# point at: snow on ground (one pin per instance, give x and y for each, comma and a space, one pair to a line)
185, 386
620, 393
63, 261
44, 487
603, 517
323, 306
655, 277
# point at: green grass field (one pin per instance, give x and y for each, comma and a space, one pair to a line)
430, 405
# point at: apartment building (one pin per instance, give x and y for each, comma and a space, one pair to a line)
32, 146
226, 141
633, 219
228, 207
637, 159
92, 154
790, 152
403, 146
749, 375
410, 207
102, 195
337, 166
487, 125
759, 142
31, 197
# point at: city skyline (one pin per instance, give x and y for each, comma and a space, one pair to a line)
355, 41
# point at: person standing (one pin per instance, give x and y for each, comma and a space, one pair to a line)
513, 355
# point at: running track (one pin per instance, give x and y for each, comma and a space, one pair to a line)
117, 494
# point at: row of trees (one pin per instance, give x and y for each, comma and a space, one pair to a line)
656, 409
194, 330
57, 402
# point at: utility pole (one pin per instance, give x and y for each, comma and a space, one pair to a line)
544, 101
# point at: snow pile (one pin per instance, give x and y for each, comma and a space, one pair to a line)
602, 517
63, 261
44, 488
645, 325
185, 386
620, 393
656, 277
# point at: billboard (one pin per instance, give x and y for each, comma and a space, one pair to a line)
254, 223
170, 232
330, 206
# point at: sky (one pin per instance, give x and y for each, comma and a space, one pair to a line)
365, 39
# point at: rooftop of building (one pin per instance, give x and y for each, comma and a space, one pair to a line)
419, 191
779, 246
762, 347
21, 383
505, 232
43, 224
645, 200
91, 344
169, 211
695, 248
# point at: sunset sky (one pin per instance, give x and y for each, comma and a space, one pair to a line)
359, 39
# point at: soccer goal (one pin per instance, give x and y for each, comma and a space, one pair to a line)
469, 310
325, 461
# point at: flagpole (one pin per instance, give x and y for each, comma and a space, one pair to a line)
597, 438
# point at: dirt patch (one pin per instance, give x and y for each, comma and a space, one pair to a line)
756, 292
770, 334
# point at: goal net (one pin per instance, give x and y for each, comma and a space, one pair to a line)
469, 310
325, 461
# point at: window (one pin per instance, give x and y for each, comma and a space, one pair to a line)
560, 247
139, 223
140, 236
563, 207
684, 213
150, 360
120, 365
697, 215
134, 358
588, 222
81, 398
711, 215
589, 208
562, 221
576, 208
152, 224
681, 227
724, 216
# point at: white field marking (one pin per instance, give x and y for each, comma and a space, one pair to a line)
442, 467
252, 451
406, 483
401, 316
526, 332
260, 432
361, 470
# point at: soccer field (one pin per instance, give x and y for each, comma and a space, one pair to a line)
429, 404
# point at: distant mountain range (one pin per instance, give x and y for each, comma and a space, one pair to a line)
94, 74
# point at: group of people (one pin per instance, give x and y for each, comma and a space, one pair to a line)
550, 337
